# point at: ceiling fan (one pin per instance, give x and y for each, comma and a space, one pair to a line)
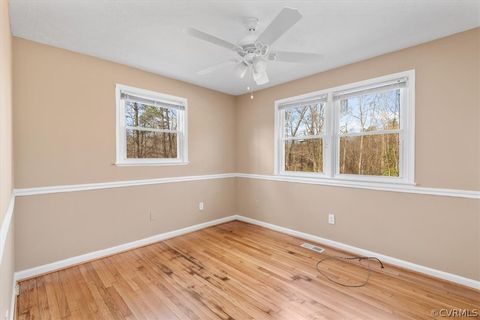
254, 51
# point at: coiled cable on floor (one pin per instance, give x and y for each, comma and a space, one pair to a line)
348, 259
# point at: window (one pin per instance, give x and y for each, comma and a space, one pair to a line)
362, 131
303, 134
151, 128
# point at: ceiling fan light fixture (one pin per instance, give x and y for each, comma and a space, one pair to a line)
259, 66
241, 70
260, 77
255, 50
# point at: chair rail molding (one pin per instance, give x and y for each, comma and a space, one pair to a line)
390, 187
402, 188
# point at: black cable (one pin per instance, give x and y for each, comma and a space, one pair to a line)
349, 258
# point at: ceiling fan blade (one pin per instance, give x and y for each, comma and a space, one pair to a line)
216, 67
213, 39
295, 57
284, 21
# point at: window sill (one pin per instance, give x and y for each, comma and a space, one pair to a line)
345, 181
151, 164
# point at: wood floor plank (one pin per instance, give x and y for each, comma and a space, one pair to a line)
234, 271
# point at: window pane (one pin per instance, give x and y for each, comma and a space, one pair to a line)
370, 112
148, 144
305, 121
146, 116
304, 155
376, 154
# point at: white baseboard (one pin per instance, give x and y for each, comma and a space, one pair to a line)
62, 264
391, 260
28, 273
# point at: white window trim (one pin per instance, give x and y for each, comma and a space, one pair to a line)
182, 143
330, 138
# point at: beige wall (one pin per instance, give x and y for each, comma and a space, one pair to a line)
64, 120
439, 232
64, 132
447, 110
6, 170
63, 225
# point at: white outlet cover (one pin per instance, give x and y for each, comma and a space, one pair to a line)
201, 206
331, 218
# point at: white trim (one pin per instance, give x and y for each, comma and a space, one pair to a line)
369, 133
4, 230
300, 178
393, 187
62, 264
5, 227
355, 250
331, 137
117, 184
371, 87
152, 129
121, 127
13, 302
151, 164
36, 271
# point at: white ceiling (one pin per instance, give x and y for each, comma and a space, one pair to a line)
148, 34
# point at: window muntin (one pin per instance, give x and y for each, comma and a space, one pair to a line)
151, 127
366, 132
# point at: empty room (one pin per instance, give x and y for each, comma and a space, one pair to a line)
206, 159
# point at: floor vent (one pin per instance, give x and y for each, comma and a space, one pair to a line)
312, 247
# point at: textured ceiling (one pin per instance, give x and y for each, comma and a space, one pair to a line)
149, 34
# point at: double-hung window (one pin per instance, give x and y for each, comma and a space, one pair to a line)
151, 127
359, 132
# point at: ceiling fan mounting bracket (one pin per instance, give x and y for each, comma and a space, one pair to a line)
251, 23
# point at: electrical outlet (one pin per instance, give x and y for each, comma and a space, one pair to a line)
331, 218
201, 206
7, 315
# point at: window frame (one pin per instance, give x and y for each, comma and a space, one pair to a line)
331, 136
121, 128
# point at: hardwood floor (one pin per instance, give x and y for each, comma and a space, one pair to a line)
233, 271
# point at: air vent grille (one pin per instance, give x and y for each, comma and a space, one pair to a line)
312, 247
